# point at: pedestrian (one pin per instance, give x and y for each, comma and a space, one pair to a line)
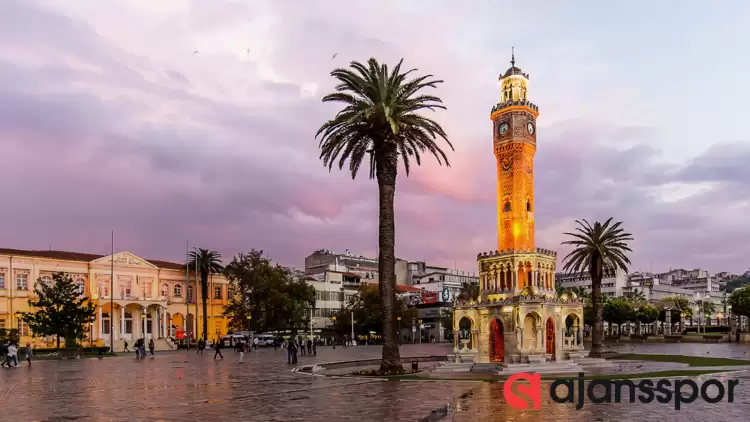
241, 347
126, 347
28, 353
288, 351
4, 353
255, 344
137, 349
12, 355
151, 346
292, 352
275, 344
302, 346
309, 346
143, 349
315, 348
219, 345
201, 346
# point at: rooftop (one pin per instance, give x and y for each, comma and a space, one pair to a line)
80, 257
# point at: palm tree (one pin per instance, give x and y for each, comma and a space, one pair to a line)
380, 123
597, 247
208, 262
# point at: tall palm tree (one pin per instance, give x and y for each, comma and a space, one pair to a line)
208, 262
598, 247
380, 123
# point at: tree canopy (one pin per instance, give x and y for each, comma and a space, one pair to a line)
59, 310
740, 301
618, 311
368, 312
273, 298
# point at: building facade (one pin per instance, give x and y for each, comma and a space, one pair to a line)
613, 282
518, 317
149, 299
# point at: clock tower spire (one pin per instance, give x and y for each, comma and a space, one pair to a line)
514, 144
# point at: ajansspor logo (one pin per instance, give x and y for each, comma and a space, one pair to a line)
625, 391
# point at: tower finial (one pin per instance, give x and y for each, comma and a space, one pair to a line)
513, 56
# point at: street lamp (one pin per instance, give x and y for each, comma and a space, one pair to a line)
399, 328
91, 334
419, 321
335, 330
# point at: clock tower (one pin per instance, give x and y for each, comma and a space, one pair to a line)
514, 144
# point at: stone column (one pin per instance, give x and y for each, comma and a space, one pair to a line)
99, 322
145, 320
164, 322
122, 321
155, 323
514, 279
579, 338
456, 334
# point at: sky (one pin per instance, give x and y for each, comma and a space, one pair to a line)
194, 121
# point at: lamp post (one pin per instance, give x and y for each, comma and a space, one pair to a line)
335, 331
18, 315
419, 321
143, 318
91, 334
399, 328
352, 340
700, 310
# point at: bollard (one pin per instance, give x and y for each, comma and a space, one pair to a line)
414, 365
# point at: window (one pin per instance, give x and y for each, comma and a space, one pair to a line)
164, 290
2, 281
2, 323
47, 280
178, 290
128, 323
106, 325
80, 286
506, 206
528, 206
190, 295
22, 281
217, 292
23, 329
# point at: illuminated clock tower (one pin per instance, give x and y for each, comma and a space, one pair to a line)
514, 143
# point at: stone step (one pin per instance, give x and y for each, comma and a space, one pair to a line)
593, 362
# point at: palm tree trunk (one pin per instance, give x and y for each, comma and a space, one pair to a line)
597, 331
386, 163
204, 301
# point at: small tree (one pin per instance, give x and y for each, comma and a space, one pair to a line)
647, 314
61, 311
618, 311
739, 300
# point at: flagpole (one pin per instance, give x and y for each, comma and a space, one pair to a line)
111, 297
187, 284
195, 295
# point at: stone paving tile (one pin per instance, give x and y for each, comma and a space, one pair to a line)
182, 386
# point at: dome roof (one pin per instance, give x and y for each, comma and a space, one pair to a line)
513, 70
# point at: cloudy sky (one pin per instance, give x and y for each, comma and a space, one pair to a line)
177, 120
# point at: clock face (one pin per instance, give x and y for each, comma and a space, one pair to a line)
530, 128
503, 129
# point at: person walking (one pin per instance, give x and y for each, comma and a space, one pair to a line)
137, 348
293, 351
310, 346
4, 353
143, 349
151, 346
125, 349
13, 355
315, 348
28, 353
255, 344
241, 347
302, 346
288, 351
217, 348
201, 346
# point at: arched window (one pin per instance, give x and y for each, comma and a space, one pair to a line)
164, 290
178, 290
506, 206
80, 287
528, 206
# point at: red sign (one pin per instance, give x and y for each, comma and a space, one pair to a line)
429, 297
179, 334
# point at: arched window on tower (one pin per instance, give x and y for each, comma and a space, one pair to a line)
528, 206
506, 206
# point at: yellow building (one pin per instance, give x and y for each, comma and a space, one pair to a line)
148, 297
517, 318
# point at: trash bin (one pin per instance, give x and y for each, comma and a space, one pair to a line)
414, 365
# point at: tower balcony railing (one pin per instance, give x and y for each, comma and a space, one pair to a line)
540, 251
527, 103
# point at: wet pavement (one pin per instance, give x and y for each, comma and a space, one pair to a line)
179, 386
